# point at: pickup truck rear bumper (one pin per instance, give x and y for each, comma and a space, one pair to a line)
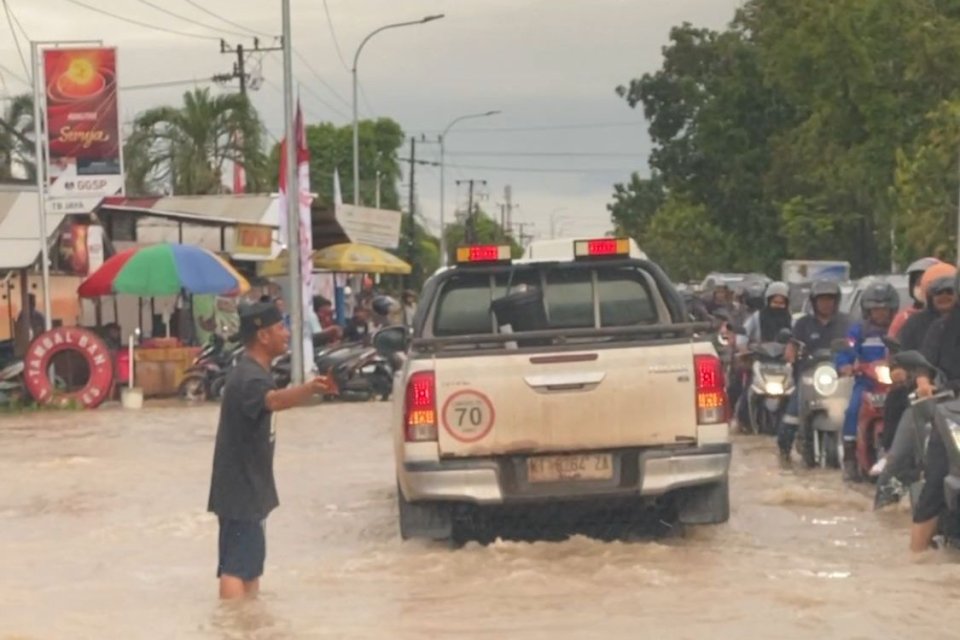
502, 479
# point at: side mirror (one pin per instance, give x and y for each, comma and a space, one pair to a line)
391, 340
784, 335
840, 345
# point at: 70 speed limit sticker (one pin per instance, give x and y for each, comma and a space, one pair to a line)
468, 415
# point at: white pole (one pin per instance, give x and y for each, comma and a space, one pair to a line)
443, 189
356, 137
40, 130
293, 205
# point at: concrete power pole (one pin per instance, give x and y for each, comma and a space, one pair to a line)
470, 225
239, 67
412, 233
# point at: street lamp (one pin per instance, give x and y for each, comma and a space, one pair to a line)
356, 124
443, 182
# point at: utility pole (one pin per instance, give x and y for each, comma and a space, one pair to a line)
412, 233
470, 225
508, 199
240, 66
522, 236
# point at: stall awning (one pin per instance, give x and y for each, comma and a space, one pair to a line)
228, 209
20, 227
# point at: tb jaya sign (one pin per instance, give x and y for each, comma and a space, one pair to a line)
373, 227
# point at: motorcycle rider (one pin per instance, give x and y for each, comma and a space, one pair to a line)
878, 304
941, 347
752, 301
914, 275
816, 330
765, 324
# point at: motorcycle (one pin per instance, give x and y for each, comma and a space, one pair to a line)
12, 387
870, 418
823, 397
360, 373
770, 388
207, 375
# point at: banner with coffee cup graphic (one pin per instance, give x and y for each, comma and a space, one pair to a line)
83, 128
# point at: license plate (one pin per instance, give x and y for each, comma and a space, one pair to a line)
592, 466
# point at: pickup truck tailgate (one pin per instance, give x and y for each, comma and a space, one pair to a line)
566, 401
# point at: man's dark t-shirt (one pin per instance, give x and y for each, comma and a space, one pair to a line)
243, 487
816, 335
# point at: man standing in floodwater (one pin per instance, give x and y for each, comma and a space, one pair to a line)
242, 489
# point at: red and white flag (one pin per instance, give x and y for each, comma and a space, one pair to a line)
306, 230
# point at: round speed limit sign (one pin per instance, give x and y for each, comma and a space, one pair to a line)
468, 415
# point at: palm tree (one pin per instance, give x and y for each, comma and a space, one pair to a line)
186, 148
16, 145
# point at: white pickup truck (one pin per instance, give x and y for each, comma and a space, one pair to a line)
585, 386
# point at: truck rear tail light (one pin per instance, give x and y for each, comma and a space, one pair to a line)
711, 390
420, 408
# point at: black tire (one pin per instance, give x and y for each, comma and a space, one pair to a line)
193, 388
708, 504
805, 445
216, 387
830, 443
430, 520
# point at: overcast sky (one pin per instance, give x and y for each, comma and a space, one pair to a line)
551, 66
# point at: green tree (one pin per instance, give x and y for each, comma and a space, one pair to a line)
925, 188
684, 241
16, 133
634, 205
486, 231
187, 147
331, 148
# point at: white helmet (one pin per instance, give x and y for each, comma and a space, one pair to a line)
777, 289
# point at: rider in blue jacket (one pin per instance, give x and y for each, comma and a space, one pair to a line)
879, 303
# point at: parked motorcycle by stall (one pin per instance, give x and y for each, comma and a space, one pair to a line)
12, 388
206, 377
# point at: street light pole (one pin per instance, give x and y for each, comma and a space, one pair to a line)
297, 356
443, 181
356, 124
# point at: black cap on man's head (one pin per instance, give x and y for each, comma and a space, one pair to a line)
254, 317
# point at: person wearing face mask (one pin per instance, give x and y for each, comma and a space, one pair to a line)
765, 324
915, 274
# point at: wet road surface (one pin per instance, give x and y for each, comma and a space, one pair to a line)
103, 534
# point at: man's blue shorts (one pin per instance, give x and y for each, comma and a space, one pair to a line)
243, 548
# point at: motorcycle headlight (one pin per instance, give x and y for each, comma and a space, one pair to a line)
954, 433
883, 374
825, 380
773, 388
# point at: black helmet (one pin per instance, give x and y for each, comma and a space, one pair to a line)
753, 295
825, 288
383, 305
879, 295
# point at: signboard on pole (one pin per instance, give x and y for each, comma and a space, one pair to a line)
374, 227
83, 129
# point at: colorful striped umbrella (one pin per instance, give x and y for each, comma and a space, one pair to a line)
164, 270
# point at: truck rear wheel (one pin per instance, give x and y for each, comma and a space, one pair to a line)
709, 504
430, 520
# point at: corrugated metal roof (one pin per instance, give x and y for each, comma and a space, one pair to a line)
20, 228
227, 209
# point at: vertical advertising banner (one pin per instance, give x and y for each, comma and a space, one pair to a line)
83, 128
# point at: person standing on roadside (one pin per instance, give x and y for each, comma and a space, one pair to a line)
242, 487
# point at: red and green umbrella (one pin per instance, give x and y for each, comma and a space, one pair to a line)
164, 270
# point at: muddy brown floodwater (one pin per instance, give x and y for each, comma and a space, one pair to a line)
103, 534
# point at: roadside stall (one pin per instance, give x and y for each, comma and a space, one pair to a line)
159, 270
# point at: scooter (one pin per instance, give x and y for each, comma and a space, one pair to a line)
770, 388
824, 397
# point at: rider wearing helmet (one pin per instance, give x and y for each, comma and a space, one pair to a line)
941, 347
914, 276
816, 331
765, 324
878, 304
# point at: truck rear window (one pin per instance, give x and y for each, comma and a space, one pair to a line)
622, 295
